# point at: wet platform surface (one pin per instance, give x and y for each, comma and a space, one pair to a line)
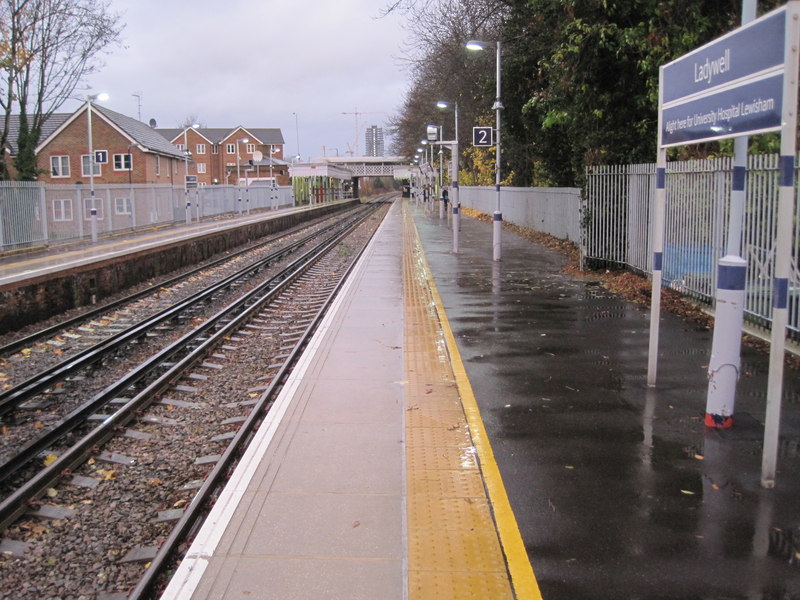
618, 489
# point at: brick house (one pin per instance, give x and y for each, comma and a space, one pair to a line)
126, 150
213, 153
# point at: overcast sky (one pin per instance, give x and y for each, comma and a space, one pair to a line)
255, 63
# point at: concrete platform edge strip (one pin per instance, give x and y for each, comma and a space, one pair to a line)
189, 573
522, 575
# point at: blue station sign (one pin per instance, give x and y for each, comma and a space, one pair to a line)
730, 87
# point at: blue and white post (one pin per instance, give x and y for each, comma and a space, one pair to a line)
783, 248
454, 199
659, 221
723, 369
725, 365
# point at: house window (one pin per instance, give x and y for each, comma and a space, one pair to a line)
231, 149
158, 165
85, 166
62, 209
87, 208
201, 148
180, 146
201, 167
59, 166
251, 148
122, 206
123, 162
214, 148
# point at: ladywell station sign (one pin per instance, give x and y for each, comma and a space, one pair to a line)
730, 87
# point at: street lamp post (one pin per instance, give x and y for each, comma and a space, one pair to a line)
92, 206
497, 218
238, 178
297, 135
186, 154
456, 204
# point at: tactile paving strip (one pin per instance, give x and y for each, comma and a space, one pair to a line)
453, 546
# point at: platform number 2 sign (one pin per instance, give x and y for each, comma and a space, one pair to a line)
482, 136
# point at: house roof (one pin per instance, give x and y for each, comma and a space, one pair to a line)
139, 132
51, 123
147, 138
217, 135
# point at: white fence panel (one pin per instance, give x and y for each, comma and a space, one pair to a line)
555, 211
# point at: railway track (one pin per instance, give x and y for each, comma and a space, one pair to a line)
200, 396
22, 405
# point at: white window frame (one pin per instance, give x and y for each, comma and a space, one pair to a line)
127, 206
250, 148
201, 167
158, 165
179, 146
230, 149
214, 148
123, 158
86, 160
87, 208
63, 160
62, 209
201, 148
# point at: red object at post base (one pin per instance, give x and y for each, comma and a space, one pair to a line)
718, 421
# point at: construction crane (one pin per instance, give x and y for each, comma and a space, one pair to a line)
357, 112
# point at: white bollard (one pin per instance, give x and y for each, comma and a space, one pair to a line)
723, 369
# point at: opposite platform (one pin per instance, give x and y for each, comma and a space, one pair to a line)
365, 480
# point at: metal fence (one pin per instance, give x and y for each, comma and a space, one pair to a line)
618, 204
33, 214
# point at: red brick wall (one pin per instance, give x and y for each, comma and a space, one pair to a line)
73, 142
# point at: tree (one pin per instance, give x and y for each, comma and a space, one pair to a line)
48, 47
580, 79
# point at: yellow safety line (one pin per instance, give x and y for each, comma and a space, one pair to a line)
523, 579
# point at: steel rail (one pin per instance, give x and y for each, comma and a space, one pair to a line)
17, 502
11, 398
99, 310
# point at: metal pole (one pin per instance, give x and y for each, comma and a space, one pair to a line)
92, 207
783, 250
186, 175
725, 362
658, 244
238, 179
497, 218
271, 180
455, 200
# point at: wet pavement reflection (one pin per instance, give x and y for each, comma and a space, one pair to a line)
619, 490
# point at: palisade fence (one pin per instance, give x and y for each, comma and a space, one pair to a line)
33, 214
617, 227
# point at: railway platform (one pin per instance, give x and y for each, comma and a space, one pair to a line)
458, 424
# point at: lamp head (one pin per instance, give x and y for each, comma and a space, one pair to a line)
476, 45
442, 104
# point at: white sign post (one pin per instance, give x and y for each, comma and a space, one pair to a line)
743, 83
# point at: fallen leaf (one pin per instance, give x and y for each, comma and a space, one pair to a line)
687, 492
52, 492
107, 474
356, 524
49, 460
179, 503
